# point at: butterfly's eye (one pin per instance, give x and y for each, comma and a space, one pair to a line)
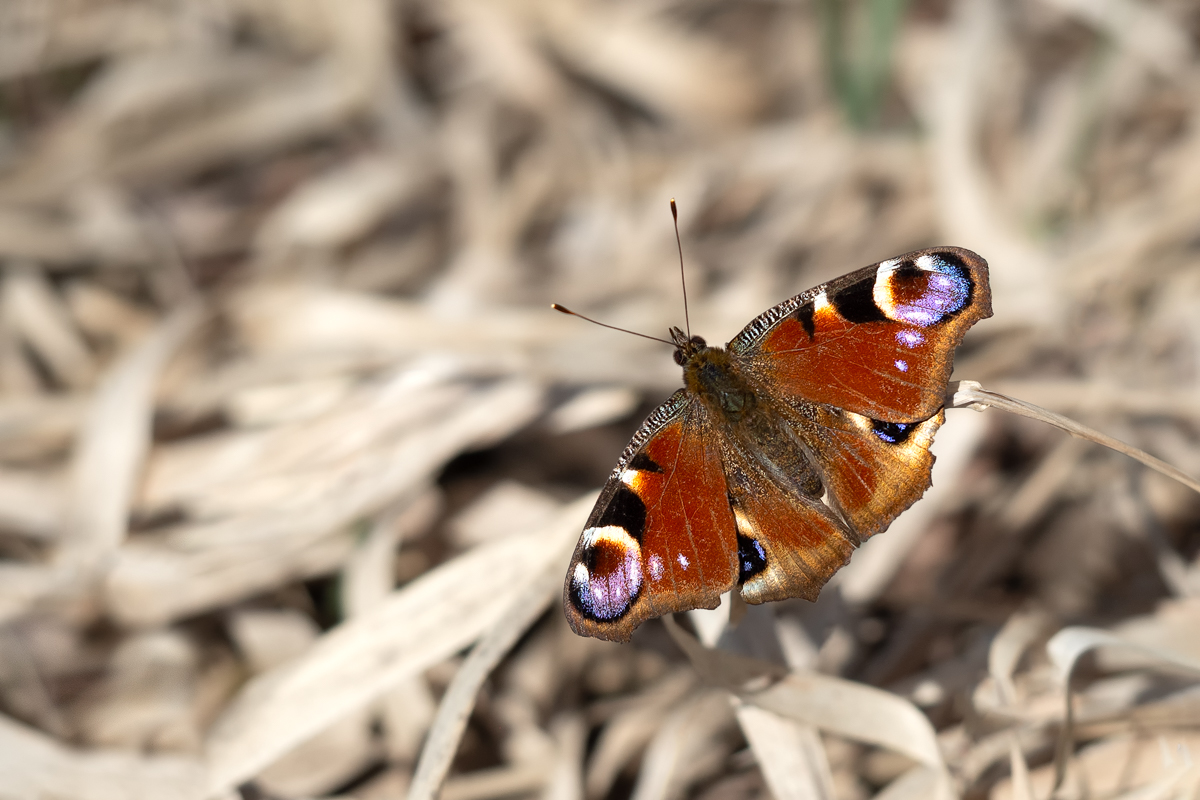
698, 341
679, 357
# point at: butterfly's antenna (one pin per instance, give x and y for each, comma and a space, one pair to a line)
682, 278
566, 310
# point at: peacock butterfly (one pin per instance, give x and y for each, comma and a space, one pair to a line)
784, 450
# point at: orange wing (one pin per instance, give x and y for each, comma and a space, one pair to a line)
878, 342
872, 470
789, 544
662, 537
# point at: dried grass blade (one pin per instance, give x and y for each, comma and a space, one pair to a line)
1022, 787
790, 755
1179, 783
38, 315
968, 207
1065, 649
674, 72
625, 736
969, 394
566, 776
1019, 632
421, 624
39, 427
38, 237
153, 582
1147, 32
367, 578
31, 504
514, 619
485, 784
35, 766
852, 710
682, 750
302, 538
114, 439
720, 667
918, 783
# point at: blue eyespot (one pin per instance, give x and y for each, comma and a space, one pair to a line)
892, 432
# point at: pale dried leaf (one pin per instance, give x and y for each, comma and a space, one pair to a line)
624, 737
790, 755
594, 407
854, 711
494, 783
505, 509
335, 209
424, 622
1125, 766
407, 711
1146, 31
146, 700
114, 439
104, 314
268, 638
32, 504
39, 427
152, 583
524, 604
916, 784
369, 575
685, 749
38, 237
35, 766
566, 777
324, 762
680, 75
35, 313
1014, 639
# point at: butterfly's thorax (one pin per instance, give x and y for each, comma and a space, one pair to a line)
711, 375
752, 423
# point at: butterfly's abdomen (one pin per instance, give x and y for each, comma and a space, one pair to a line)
710, 374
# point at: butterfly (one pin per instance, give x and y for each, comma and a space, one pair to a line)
803, 436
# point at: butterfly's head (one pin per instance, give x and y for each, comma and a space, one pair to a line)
686, 346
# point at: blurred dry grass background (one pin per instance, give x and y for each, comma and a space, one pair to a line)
292, 450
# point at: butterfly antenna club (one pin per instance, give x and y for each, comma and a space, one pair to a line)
682, 277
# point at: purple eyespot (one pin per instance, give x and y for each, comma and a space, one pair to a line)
921, 293
608, 577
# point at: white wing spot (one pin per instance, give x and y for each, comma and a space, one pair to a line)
656, 567
683, 561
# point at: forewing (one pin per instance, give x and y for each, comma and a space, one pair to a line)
662, 536
878, 342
